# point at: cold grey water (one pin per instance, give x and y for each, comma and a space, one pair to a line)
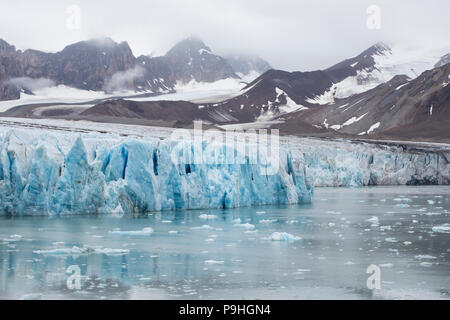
317, 251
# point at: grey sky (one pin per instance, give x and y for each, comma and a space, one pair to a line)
291, 35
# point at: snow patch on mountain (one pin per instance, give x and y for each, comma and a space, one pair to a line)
398, 60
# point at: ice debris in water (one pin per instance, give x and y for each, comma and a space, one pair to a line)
206, 227
83, 250
207, 216
13, 238
247, 226
374, 221
283, 236
424, 256
267, 221
211, 262
144, 232
402, 199
445, 228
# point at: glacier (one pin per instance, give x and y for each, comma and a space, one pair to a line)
56, 172
42, 172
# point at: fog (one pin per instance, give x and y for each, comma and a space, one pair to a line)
290, 35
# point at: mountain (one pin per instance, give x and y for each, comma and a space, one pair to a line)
89, 64
105, 65
85, 65
443, 60
189, 60
277, 92
401, 107
247, 65
172, 113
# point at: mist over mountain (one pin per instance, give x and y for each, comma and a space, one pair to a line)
105, 65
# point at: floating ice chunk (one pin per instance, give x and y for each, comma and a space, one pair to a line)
445, 228
13, 238
144, 232
207, 216
267, 221
407, 243
84, 250
432, 213
334, 212
283, 236
173, 232
424, 257
374, 220
430, 201
236, 221
205, 227
426, 264
210, 262
63, 251
403, 199
247, 226
402, 205
390, 240
386, 265
110, 252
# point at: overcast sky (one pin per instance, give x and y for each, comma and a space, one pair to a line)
291, 35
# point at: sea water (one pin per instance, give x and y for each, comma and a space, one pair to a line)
320, 250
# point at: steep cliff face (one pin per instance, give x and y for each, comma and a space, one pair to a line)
89, 64
85, 65
102, 64
135, 176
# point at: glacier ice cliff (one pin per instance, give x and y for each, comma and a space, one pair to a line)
51, 172
345, 164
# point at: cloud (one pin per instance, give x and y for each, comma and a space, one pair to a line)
124, 79
291, 35
31, 84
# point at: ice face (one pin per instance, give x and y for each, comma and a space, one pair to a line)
58, 175
50, 172
343, 164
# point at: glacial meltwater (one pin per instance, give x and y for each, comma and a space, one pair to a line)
320, 250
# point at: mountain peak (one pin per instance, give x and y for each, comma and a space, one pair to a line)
377, 49
5, 47
189, 46
245, 64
